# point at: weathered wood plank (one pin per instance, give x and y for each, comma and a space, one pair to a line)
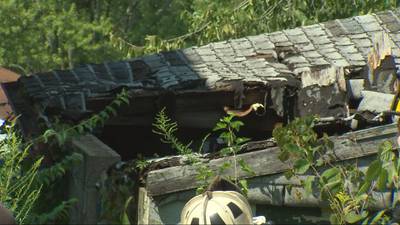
297, 197
265, 162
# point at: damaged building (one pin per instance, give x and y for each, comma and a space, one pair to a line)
344, 71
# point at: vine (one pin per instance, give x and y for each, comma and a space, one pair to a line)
50, 208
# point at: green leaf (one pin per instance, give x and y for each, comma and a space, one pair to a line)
125, 100
377, 217
308, 184
104, 115
125, 218
111, 110
301, 166
220, 126
330, 174
283, 156
352, 217
334, 186
373, 171
236, 124
327, 141
244, 185
224, 166
319, 162
288, 174
292, 148
364, 188
241, 140
225, 151
118, 102
245, 167
80, 129
333, 219
48, 133
382, 180
227, 119
365, 222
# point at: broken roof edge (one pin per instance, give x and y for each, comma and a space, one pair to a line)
269, 57
265, 162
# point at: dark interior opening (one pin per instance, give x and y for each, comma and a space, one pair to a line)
131, 141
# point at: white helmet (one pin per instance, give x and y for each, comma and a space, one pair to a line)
217, 207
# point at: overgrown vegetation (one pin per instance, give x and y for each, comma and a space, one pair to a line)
348, 189
18, 188
118, 196
228, 128
61, 132
44, 35
53, 207
33, 190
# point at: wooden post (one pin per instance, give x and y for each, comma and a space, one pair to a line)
143, 206
98, 157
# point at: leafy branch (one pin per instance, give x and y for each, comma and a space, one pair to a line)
85, 126
345, 187
228, 128
49, 175
167, 130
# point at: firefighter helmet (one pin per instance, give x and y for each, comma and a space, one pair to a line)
217, 207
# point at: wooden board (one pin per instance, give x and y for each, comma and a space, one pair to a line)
266, 163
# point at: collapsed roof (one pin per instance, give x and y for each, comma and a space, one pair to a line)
336, 69
294, 72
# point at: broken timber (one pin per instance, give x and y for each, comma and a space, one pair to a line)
268, 168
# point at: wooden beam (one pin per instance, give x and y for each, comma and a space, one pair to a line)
265, 162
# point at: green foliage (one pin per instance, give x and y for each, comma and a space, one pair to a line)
18, 190
39, 35
227, 128
117, 193
204, 174
125, 218
49, 175
65, 132
23, 182
53, 207
59, 211
345, 187
164, 127
207, 21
